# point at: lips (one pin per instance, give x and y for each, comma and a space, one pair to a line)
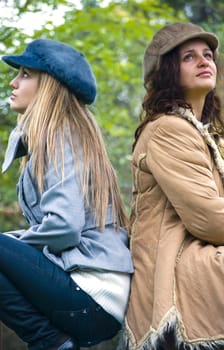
204, 74
13, 96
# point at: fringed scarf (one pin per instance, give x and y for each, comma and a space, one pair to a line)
211, 137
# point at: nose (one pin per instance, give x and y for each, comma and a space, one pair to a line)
14, 83
203, 61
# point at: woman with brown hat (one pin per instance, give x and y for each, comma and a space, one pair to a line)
64, 281
177, 217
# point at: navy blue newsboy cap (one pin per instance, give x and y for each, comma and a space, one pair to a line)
62, 62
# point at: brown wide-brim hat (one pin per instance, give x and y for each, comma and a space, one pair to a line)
171, 36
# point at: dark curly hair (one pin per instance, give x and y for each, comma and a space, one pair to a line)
164, 95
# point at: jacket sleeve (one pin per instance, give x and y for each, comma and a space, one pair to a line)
61, 208
180, 161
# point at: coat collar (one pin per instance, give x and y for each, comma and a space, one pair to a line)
15, 149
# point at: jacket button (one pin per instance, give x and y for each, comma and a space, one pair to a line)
218, 253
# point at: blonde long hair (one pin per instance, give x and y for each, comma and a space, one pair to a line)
56, 109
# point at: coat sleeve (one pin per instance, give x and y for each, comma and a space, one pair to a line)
180, 161
61, 206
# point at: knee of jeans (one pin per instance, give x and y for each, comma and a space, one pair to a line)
8, 292
4, 282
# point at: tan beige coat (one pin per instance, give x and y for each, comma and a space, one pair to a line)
177, 237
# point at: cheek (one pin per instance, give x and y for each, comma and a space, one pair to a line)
183, 77
32, 94
213, 67
33, 91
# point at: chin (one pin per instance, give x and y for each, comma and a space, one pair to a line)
16, 109
209, 90
205, 90
209, 87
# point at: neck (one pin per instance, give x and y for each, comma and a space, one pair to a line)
197, 103
197, 110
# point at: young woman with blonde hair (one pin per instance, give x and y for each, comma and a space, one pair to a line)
64, 281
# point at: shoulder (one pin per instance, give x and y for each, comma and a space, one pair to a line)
170, 129
170, 124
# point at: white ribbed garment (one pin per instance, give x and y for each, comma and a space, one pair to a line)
109, 289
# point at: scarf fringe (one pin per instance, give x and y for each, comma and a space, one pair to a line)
171, 324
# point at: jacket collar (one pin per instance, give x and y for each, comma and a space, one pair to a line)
15, 149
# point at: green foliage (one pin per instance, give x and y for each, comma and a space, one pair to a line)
113, 37
207, 12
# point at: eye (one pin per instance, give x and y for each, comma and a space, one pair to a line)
188, 57
209, 56
25, 74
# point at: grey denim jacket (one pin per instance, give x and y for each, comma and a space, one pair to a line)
60, 223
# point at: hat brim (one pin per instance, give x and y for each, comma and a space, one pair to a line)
209, 38
62, 62
24, 60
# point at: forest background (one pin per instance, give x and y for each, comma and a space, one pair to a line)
113, 35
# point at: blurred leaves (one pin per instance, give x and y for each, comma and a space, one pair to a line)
113, 37
207, 13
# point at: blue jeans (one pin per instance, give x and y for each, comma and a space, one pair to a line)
40, 301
